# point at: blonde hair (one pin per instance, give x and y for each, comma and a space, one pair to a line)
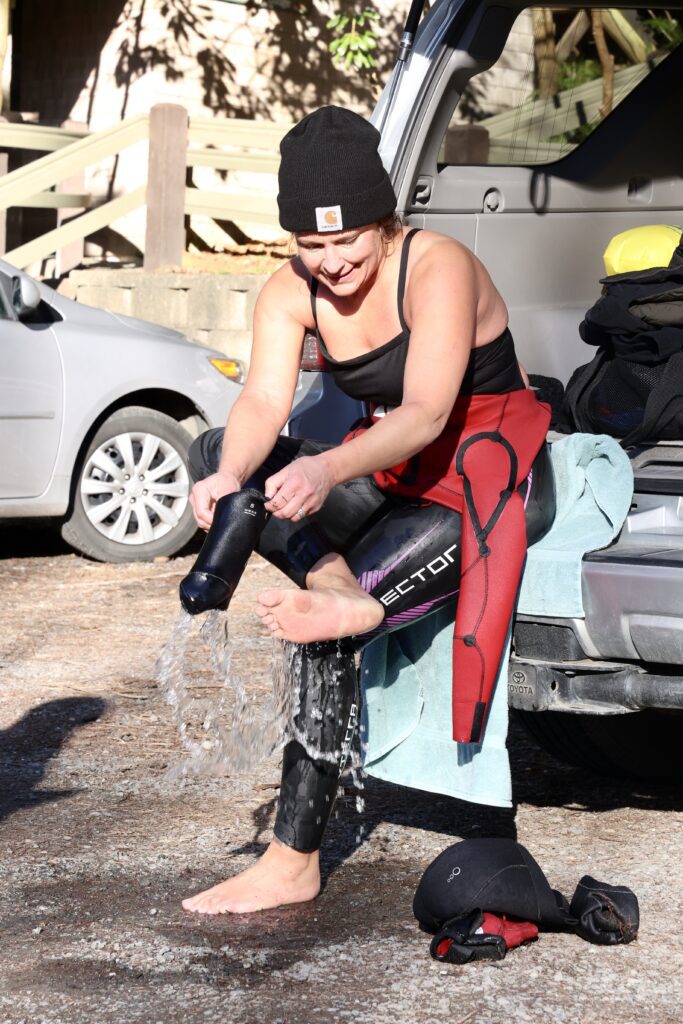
389, 229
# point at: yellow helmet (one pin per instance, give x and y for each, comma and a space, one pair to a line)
641, 248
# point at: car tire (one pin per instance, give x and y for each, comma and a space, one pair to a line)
642, 745
131, 489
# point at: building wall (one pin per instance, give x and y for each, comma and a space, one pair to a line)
507, 84
98, 61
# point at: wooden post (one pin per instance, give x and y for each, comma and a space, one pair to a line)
543, 25
165, 233
70, 256
606, 61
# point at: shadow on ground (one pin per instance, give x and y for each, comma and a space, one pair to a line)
35, 538
27, 747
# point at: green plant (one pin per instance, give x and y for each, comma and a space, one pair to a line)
576, 71
668, 32
355, 38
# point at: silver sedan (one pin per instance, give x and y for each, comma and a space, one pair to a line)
97, 412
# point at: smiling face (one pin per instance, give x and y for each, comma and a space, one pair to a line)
344, 261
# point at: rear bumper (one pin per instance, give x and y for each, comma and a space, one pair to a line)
590, 688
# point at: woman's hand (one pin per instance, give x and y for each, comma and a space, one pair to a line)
299, 489
206, 493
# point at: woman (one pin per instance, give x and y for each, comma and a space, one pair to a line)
410, 322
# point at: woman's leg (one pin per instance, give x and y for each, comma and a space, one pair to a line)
408, 556
325, 720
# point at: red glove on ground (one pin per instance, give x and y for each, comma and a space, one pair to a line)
479, 936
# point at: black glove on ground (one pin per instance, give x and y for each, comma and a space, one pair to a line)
606, 914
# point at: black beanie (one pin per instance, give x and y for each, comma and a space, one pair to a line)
331, 176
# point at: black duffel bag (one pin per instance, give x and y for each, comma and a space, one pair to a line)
633, 388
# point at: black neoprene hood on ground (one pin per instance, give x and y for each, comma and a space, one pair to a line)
498, 875
331, 176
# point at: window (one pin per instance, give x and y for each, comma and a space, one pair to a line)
561, 73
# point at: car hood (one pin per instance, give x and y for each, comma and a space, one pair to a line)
104, 320
145, 327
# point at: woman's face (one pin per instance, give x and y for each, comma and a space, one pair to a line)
344, 261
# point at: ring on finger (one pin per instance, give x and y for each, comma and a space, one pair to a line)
300, 514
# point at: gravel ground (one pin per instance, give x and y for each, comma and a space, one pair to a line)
99, 845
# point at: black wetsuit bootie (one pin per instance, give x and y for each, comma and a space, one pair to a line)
238, 520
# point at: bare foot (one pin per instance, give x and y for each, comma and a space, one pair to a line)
304, 616
280, 876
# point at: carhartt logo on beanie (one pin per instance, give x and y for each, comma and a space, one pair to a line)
331, 176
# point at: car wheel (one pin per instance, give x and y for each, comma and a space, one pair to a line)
641, 745
131, 493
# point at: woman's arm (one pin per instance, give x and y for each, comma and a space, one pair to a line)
259, 414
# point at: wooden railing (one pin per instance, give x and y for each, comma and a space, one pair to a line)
175, 143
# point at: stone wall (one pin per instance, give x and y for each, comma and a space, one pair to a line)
216, 309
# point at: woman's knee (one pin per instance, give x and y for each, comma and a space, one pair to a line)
204, 455
540, 507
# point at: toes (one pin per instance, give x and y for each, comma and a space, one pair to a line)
192, 903
270, 598
201, 904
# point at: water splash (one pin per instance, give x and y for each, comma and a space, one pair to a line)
221, 727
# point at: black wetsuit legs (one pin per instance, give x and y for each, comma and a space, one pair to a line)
405, 553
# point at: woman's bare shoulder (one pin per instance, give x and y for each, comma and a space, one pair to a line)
432, 248
288, 291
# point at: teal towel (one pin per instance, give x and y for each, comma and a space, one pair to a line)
406, 678
406, 735
593, 487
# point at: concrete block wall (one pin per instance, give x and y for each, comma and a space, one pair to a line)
215, 309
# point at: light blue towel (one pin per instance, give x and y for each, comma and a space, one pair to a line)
406, 678
406, 731
593, 487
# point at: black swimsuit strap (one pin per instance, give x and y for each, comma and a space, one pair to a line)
314, 293
402, 274
400, 291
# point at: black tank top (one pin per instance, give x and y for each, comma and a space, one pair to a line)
377, 376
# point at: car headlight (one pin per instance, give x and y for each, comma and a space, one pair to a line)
233, 369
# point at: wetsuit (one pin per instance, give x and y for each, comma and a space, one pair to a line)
404, 551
